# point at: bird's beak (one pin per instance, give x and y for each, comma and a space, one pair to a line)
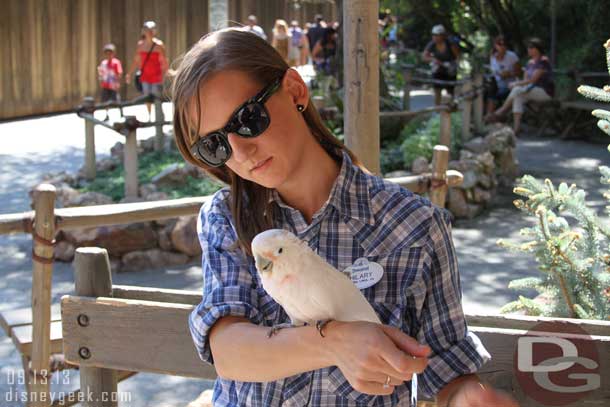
263, 264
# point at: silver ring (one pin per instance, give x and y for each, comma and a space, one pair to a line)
387, 382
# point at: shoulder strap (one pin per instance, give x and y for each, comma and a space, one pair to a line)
147, 56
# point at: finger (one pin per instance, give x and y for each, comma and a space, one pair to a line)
405, 343
381, 378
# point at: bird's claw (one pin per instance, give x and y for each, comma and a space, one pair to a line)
320, 326
276, 328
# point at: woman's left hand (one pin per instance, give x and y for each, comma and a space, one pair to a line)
473, 394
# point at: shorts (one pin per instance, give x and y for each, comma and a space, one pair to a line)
444, 76
294, 53
152, 88
110, 95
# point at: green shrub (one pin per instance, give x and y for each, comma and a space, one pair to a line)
112, 183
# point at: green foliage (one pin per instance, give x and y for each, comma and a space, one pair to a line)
569, 241
112, 183
421, 142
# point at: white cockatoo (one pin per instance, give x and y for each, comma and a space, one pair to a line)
309, 289
304, 284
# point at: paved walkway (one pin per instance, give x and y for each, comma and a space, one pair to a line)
32, 148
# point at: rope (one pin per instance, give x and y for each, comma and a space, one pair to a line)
43, 242
437, 183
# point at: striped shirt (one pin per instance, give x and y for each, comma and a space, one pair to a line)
364, 217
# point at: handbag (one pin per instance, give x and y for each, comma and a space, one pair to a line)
137, 78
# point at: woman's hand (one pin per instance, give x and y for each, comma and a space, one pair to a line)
367, 354
472, 394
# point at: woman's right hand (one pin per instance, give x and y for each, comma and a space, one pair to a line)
367, 354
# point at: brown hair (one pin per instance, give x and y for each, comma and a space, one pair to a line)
233, 48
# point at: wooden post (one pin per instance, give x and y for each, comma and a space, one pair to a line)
361, 64
466, 107
43, 236
92, 278
130, 164
406, 98
438, 187
478, 102
89, 103
159, 118
445, 136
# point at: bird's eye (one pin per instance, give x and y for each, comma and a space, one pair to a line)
280, 250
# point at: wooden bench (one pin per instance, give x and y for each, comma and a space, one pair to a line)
117, 336
578, 114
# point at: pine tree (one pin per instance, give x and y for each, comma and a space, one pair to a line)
573, 257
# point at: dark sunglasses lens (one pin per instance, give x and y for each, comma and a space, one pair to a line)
214, 149
252, 120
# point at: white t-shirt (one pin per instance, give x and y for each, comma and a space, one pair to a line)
506, 64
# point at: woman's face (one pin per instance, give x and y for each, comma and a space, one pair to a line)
270, 158
500, 47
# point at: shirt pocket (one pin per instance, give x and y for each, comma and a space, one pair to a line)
390, 314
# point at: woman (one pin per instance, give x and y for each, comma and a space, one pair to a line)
245, 117
505, 69
150, 59
442, 55
537, 85
281, 38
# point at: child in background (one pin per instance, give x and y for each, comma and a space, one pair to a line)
110, 72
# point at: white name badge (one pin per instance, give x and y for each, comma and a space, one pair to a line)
364, 273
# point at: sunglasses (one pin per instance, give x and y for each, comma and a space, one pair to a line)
249, 120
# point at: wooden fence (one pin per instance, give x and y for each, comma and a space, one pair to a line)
51, 49
101, 319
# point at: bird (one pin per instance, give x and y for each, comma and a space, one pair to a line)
310, 290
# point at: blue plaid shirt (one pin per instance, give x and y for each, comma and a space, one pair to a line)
364, 216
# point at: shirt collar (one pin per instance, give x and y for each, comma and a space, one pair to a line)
349, 194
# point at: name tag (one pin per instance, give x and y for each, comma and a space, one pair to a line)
364, 273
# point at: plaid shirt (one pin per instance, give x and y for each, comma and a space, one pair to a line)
364, 216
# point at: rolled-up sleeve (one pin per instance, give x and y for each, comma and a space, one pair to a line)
229, 288
455, 350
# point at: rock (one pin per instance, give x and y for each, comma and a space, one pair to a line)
486, 181
487, 161
204, 399
117, 239
184, 236
171, 176
456, 203
117, 151
470, 179
106, 164
499, 138
89, 199
481, 195
141, 260
64, 251
477, 145
474, 210
420, 166
165, 242
65, 194
508, 166
58, 178
132, 199
148, 144
466, 155
156, 196
147, 189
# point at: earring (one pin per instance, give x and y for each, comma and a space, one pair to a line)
300, 108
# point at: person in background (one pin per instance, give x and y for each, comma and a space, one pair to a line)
505, 68
110, 72
299, 49
251, 26
443, 58
151, 59
282, 40
316, 31
537, 84
324, 52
